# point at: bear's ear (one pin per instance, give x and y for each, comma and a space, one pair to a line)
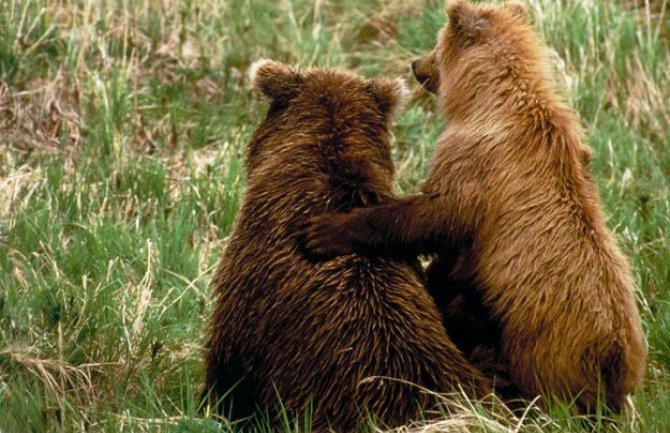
390, 94
466, 20
275, 80
518, 10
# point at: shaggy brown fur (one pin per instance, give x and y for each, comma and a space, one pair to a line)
286, 328
509, 196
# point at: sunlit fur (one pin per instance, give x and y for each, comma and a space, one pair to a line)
509, 190
357, 335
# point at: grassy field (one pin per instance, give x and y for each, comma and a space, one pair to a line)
122, 131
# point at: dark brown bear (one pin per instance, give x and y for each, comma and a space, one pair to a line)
510, 207
352, 336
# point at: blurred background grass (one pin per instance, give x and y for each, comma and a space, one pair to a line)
122, 131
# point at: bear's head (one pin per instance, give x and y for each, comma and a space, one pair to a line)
324, 107
480, 44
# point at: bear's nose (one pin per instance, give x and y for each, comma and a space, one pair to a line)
414, 66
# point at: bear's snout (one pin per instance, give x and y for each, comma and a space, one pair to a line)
414, 65
425, 73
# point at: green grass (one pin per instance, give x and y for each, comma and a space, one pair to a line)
122, 130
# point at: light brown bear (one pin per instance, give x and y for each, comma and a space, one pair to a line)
509, 196
354, 336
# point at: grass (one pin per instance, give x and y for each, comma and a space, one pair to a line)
122, 131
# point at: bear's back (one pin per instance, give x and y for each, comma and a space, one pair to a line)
321, 329
289, 331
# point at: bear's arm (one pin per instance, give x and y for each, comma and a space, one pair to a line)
399, 227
